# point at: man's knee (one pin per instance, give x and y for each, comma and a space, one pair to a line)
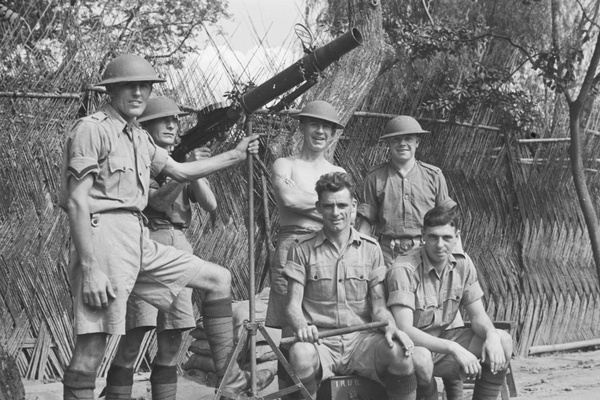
169, 342
423, 364
395, 358
304, 359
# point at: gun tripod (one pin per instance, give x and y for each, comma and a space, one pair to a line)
248, 337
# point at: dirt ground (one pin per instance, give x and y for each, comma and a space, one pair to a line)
554, 376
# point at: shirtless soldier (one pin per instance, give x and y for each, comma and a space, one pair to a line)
294, 180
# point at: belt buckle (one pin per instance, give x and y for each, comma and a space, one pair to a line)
403, 245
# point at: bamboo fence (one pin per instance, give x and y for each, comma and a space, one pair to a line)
521, 221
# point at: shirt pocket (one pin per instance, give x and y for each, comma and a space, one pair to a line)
319, 282
357, 283
452, 298
425, 310
121, 182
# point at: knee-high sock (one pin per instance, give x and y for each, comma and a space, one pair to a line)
453, 388
428, 391
163, 381
401, 387
310, 383
218, 326
79, 385
489, 385
119, 383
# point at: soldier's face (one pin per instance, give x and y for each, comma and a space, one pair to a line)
439, 242
163, 130
403, 147
317, 133
337, 209
130, 98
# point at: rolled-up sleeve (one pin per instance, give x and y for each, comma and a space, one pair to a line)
369, 208
159, 160
401, 287
378, 269
442, 198
294, 267
472, 290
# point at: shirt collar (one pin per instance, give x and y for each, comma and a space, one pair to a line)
354, 237
119, 122
427, 266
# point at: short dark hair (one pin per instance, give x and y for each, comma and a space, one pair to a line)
334, 182
440, 216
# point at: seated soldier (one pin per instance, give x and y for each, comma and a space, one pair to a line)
335, 280
426, 288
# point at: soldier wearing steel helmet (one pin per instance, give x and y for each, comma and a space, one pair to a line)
399, 192
168, 215
294, 179
107, 165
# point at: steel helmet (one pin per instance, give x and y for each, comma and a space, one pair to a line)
320, 109
402, 125
160, 107
129, 68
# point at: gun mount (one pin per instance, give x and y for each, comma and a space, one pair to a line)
214, 121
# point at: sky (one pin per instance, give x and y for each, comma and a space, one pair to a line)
239, 46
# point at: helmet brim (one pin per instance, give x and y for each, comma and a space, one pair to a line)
162, 115
402, 133
151, 79
336, 124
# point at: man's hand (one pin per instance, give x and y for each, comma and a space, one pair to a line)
392, 332
248, 144
97, 290
198, 154
309, 334
469, 364
494, 353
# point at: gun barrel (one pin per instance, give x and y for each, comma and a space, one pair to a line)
300, 71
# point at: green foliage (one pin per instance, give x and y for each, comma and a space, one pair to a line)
465, 80
160, 29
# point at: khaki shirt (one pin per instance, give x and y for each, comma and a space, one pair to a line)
122, 157
397, 205
434, 298
336, 284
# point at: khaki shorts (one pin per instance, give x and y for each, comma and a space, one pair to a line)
351, 354
181, 313
134, 264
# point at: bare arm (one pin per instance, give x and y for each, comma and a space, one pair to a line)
188, 171
201, 188
292, 197
380, 312
364, 226
96, 286
404, 320
162, 198
304, 331
482, 325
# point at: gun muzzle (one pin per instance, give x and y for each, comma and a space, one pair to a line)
304, 69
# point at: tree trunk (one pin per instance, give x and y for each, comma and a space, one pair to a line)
353, 76
349, 80
11, 387
577, 169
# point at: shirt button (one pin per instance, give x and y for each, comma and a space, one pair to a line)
316, 277
362, 277
340, 280
406, 197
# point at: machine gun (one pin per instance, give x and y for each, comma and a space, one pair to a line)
214, 121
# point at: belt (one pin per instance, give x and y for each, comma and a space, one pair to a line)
400, 244
154, 225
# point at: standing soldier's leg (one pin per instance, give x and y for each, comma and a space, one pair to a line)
79, 380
